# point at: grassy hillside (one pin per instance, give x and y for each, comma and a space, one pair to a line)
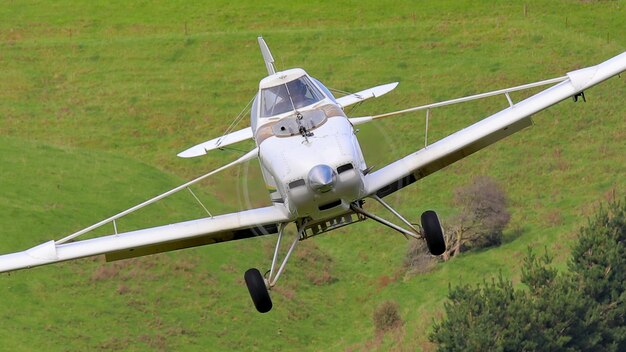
96, 100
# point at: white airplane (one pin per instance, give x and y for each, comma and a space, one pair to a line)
313, 166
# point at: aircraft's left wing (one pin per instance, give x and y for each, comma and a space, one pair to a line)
485, 132
216, 143
374, 92
221, 228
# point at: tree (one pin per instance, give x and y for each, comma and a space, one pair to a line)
476, 317
599, 263
579, 310
550, 316
481, 219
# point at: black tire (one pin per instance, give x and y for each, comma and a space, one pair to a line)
433, 233
258, 291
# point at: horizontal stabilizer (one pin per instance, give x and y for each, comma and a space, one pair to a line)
375, 92
216, 143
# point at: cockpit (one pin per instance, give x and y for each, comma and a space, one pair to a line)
285, 92
289, 96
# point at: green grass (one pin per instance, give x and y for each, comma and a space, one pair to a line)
96, 100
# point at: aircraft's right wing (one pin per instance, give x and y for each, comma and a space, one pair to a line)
456, 146
221, 228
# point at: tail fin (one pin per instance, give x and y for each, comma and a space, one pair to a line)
267, 56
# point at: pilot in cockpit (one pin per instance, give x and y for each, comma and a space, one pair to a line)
300, 94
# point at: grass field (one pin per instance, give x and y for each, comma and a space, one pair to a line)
96, 101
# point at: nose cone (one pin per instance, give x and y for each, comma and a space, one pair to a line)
322, 178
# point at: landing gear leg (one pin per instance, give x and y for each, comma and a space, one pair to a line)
432, 231
257, 285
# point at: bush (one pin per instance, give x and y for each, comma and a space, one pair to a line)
481, 219
387, 316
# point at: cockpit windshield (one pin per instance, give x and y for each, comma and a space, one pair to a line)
286, 97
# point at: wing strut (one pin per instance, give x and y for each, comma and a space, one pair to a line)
506, 91
248, 156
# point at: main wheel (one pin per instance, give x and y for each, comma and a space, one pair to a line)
258, 291
433, 233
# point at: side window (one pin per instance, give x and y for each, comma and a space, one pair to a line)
324, 89
254, 112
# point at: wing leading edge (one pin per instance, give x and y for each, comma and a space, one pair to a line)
456, 146
221, 228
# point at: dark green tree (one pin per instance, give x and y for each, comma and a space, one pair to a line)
599, 264
478, 317
579, 310
556, 312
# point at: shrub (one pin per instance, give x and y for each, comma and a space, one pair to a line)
481, 219
387, 316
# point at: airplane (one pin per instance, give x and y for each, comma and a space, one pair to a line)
313, 166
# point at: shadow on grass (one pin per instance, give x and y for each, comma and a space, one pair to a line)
513, 234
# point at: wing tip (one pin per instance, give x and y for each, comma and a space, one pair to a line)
386, 88
192, 152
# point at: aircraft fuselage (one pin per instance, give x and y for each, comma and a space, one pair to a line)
310, 157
